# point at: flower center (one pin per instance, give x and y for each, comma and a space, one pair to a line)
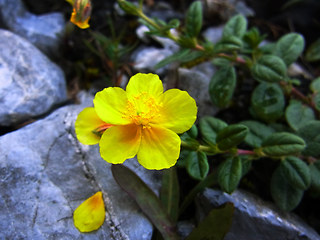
142, 109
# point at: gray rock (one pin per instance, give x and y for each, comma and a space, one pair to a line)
30, 84
196, 83
254, 218
44, 31
45, 173
213, 34
145, 58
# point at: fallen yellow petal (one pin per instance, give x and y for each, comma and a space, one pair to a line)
89, 216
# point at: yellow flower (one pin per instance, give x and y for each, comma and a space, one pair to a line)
142, 121
89, 216
81, 13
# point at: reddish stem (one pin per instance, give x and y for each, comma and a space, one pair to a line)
245, 152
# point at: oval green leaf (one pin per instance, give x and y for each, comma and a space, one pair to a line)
194, 19
209, 128
236, 26
269, 68
267, 102
310, 132
297, 172
231, 136
197, 165
289, 47
229, 174
222, 86
298, 114
282, 144
285, 196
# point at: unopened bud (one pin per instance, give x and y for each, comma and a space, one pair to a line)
81, 13
129, 7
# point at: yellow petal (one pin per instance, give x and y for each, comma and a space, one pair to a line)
86, 124
89, 216
119, 143
178, 111
110, 105
144, 83
81, 24
159, 148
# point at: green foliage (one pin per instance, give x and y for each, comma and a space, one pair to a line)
283, 193
222, 86
269, 68
197, 165
267, 102
296, 172
298, 114
149, 203
215, 225
231, 136
209, 128
257, 133
289, 47
282, 144
194, 19
229, 174
313, 52
315, 175
310, 132
236, 27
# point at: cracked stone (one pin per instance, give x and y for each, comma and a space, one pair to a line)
45, 173
30, 84
44, 31
254, 218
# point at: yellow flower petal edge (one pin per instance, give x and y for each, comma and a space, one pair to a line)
110, 105
119, 143
90, 214
159, 148
88, 126
144, 121
178, 111
144, 83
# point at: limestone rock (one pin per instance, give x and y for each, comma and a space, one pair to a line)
44, 31
45, 173
254, 218
30, 84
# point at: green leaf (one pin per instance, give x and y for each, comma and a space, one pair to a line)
169, 194
315, 174
315, 85
194, 19
129, 7
228, 44
313, 52
282, 144
216, 225
289, 47
246, 163
296, 172
285, 196
176, 57
193, 131
257, 132
253, 37
267, 102
229, 174
269, 68
231, 136
236, 26
316, 100
298, 114
310, 132
197, 165
146, 199
222, 86
209, 128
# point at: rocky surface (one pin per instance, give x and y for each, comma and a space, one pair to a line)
44, 31
196, 83
30, 84
45, 174
255, 219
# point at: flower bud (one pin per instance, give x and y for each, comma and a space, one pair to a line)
129, 7
81, 13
